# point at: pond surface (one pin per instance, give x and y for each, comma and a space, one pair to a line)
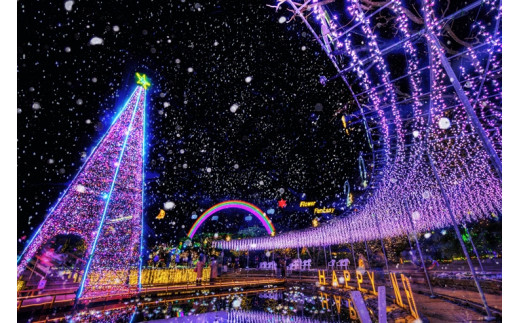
296, 303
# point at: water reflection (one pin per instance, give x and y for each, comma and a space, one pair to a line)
305, 303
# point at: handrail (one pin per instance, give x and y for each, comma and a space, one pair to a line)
160, 288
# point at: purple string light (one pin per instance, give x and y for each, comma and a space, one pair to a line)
439, 127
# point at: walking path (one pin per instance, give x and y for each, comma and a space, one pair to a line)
440, 309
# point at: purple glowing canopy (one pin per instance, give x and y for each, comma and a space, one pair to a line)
431, 104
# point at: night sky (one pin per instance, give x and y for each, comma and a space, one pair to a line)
235, 111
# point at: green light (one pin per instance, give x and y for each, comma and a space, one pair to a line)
141, 80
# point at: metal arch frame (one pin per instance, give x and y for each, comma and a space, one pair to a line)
416, 35
495, 159
463, 98
488, 63
379, 163
360, 106
497, 163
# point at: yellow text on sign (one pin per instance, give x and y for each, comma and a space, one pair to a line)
324, 210
307, 203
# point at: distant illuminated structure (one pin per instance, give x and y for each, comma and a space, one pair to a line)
233, 204
104, 206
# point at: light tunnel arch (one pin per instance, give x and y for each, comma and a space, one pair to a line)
233, 204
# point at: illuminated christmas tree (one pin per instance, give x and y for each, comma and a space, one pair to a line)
103, 205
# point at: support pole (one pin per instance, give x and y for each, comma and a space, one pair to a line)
489, 317
409, 241
472, 116
353, 255
300, 263
366, 250
419, 249
33, 269
313, 256
382, 244
474, 248
325, 256
330, 254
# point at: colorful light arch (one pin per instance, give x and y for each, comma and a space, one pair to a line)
233, 204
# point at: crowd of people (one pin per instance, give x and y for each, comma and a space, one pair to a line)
165, 256
168, 256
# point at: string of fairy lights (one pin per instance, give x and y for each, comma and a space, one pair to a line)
86, 194
426, 130
118, 249
103, 206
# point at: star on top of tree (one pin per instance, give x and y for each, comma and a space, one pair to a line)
141, 80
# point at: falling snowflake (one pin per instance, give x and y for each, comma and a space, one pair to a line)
68, 5
444, 123
80, 188
169, 205
96, 41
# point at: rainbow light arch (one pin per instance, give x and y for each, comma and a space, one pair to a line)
233, 204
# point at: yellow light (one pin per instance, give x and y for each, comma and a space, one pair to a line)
307, 203
162, 276
322, 279
351, 310
409, 296
20, 285
324, 210
350, 199
337, 301
397, 292
372, 281
334, 279
161, 215
359, 278
315, 222
346, 275
141, 80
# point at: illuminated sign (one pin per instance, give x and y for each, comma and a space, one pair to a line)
123, 218
307, 203
324, 210
322, 281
